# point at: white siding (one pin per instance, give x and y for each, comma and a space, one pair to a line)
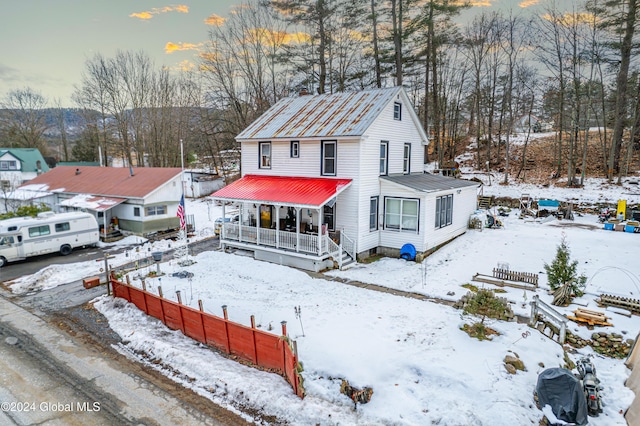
397, 132
396, 239
464, 204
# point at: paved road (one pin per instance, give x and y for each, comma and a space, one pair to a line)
59, 365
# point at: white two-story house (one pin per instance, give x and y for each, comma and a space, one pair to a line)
330, 178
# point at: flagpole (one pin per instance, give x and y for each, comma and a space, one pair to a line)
186, 243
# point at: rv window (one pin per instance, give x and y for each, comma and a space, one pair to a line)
36, 231
12, 228
5, 241
64, 226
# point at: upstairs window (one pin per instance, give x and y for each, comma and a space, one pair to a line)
329, 158
406, 159
265, 155
295, 149
8, 165
397, 111
384, 157
136, 211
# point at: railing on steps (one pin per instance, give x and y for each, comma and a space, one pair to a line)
539, 307
348, 244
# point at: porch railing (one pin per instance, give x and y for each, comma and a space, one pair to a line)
302, 243
305, 243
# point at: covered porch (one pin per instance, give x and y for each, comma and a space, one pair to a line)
287, 220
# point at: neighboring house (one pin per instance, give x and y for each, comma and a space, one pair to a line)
19, 165
199, 183
138, 200
348, 165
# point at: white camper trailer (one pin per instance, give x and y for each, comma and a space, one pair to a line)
23, 237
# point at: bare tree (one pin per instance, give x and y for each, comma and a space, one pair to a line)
24, 118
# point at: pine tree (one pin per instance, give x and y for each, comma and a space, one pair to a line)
485, 304
563, 271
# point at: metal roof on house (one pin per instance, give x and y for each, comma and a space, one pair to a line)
285, 190
90, 202
429, 183
106, 181
30, 158
335, 115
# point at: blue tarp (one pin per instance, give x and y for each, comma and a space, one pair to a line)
548, 203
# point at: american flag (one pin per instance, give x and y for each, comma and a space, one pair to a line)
180, 213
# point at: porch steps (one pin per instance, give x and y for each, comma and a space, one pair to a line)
347, 260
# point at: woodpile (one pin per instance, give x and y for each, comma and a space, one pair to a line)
586, 316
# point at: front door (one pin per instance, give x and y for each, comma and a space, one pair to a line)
265, 216
328, 217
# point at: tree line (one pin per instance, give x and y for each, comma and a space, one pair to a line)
573, 67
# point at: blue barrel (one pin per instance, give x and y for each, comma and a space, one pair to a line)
408, 252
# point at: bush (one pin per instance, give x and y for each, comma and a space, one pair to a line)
485, 304
563, 271
24, 211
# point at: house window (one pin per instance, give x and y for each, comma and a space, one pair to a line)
329, 157
401, 214
8, 165
5, 185
61, 227
384, 157
295, 149
156, 210
444, 211
265, 155
373, 214
406, 159
136, 211
37, 231
397, 111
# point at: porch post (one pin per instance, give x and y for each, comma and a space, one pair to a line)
224, 215
297, 229
240, 221
258, 224
320, 236
277, 226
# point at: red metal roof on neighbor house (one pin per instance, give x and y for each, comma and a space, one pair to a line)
109, 181
283, 190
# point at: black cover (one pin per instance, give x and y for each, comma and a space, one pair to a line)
562, 391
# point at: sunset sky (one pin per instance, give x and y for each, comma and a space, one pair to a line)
47, 42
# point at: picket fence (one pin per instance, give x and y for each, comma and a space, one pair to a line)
264, 350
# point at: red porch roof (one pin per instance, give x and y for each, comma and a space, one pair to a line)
286, 190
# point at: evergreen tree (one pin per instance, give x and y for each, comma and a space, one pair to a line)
485, 304
563, 271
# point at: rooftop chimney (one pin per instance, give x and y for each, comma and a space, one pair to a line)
303, 91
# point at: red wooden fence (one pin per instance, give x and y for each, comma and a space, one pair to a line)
262, 349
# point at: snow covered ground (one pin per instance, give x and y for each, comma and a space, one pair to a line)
423, 369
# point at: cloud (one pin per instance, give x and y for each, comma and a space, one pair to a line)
475, 3
214, 20
528, 3
171, 47
145, 15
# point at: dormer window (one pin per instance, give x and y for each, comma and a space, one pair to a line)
397, 111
